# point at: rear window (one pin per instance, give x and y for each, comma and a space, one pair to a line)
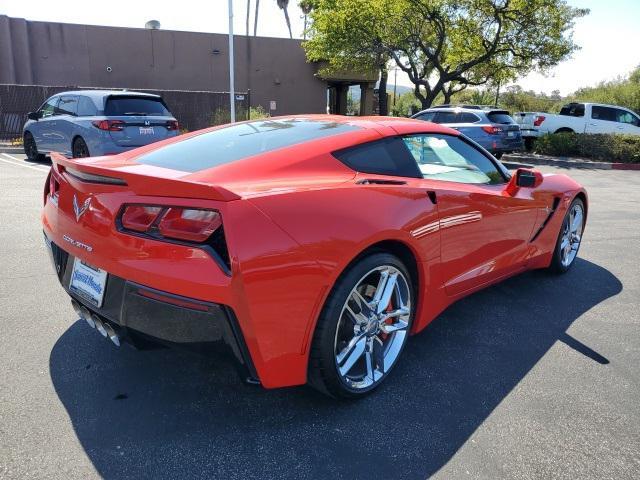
124, 106
240, 141
500, 117
573, 110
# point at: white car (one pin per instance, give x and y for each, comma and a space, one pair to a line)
579, 118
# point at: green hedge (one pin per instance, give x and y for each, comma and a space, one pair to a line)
607, 147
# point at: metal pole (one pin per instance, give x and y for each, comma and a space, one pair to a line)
395, 84
232, 103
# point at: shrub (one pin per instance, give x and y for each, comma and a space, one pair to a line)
607, 147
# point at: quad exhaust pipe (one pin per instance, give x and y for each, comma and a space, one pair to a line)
94, 321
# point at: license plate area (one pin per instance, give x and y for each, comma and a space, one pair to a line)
146, 131
88, 282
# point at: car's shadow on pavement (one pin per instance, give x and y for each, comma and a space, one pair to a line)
167, 414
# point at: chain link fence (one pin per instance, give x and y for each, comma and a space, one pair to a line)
193, 110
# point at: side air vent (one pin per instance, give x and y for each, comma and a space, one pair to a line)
379, 181
554, 207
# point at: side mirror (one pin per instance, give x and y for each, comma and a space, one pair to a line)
34, 115
524, 178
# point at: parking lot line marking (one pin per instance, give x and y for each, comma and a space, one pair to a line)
32, 167
11, 157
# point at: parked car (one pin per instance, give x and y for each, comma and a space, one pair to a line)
96, 122
491, 128
579, 118
310, 247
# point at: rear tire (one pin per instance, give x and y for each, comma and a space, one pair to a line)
79, 148
360, 333
564, 130
31, 149
569, 238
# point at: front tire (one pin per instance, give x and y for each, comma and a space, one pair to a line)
31, 149
79, 148
569, 238
363, 327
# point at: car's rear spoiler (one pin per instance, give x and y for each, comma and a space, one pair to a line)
141, 179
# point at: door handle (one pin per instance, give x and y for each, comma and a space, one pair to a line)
432, 196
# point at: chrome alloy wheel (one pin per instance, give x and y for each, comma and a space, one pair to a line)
571, 234
373, 326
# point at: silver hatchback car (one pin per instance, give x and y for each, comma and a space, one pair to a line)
87, 123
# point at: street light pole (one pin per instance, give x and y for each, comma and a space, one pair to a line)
232, 103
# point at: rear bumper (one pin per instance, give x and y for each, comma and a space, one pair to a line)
141, 314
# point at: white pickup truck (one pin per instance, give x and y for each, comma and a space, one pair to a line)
579, 118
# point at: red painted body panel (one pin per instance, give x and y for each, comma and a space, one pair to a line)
294, 219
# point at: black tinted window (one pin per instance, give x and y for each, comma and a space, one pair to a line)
240, 141
122, 106
86, 107
604, 113
445, 157
426, 116
573, 110
68, 105
446, 117
465, 117
383, 157
500, 117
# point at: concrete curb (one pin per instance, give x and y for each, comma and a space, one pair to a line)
521, 160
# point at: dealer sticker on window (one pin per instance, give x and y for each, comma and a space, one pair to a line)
88, 282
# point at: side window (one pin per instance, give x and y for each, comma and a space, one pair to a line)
427, 116
49, 107
86, 107
383, 157
448, 158
466, 117
626, 117
604, 113
573, 110
68, 105
446, 117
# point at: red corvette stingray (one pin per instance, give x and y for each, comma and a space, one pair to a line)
311, 247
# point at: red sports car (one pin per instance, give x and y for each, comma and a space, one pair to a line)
310, 247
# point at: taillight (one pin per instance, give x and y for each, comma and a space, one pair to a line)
139, 218
173, 125
109, 125
491, 130
186, 224
53, 188
538, 120
189, 224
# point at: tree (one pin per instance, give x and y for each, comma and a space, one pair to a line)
444, 46
346, 34
255, 20
284, 6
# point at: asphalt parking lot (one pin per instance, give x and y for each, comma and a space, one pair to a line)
537, 377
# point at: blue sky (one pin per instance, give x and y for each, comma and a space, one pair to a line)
609, 36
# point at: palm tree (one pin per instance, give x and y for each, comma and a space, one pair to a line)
284, 5
248, 12
255, 22
306, 6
